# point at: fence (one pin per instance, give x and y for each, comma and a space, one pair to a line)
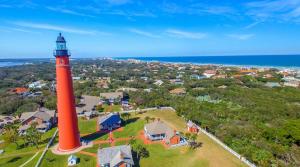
45, 150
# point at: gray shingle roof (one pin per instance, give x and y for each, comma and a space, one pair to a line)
159, 127
111, 95
115, 155
42, 113
88, 103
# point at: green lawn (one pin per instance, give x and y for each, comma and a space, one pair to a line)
115, 108
131, 128
14, 161
12, 148
52, 160
209, 154
176, 157
87, 126
34, 160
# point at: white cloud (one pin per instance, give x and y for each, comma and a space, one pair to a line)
58, 28
67, 11
253, 24
198, 9
143, 33
24, 30
240, 36
285, 10
185, 34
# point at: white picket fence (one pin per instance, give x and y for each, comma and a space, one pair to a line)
46, 149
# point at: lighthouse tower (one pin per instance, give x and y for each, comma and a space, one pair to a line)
69, 137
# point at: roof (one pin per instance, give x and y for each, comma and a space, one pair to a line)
20, 90
72, 157
111, 117
159, 127
111, 95
178, 91
191, 124
87, 103
42, 113
115, 155
60, 38
210, 72
127, 90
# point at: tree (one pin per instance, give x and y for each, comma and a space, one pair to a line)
187, 136
125, 116
193, 137
141, 151
132, 141
147, 118
51, 103
11, 134
32, 135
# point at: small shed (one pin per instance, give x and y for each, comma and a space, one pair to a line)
73, 160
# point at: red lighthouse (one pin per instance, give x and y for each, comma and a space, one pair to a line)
69, 138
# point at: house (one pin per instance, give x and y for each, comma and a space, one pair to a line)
127, 90
37, 85
73, 160
5, 120
158, 82
178, 91
158, 130
192, 127
44, 118
110, 121
197, 77
20, 90
209, 73
87, 104
144, 78
90, 114
112, 97
117, 156
76, 78
176, 81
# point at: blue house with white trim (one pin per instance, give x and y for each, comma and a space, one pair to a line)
110, 121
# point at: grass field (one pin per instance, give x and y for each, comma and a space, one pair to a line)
52, 160
87, 126
16, 157
210, 154
14, 161
114, 108
131, 128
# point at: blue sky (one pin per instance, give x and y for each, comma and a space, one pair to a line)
97, 28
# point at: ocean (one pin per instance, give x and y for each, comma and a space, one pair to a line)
278, 61
17, 62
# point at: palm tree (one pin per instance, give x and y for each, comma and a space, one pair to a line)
147, 118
